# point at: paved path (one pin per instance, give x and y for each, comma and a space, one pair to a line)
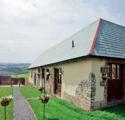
22, 110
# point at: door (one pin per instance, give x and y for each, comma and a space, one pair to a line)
123, 74
57, 81
35, 79
115, 83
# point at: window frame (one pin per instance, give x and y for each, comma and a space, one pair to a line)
115, 71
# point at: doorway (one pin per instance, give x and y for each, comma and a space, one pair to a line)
57, 81
115, 88
35, 79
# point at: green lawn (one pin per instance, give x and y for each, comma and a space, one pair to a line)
61, 110
30, 92
5, 91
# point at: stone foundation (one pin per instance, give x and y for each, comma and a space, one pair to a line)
77, 102
100, 104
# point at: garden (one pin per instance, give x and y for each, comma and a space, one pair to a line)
57, 109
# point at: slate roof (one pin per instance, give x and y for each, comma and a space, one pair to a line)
101, 38
110, 41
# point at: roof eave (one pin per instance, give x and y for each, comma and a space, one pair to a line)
64, 61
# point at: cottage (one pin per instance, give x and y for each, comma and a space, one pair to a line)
87, 69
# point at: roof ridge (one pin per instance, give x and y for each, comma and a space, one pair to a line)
91, 48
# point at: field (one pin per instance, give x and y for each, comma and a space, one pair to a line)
4, 91
24, 75
58, 109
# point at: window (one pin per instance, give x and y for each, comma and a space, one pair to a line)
73, 44
118, 71
115, 71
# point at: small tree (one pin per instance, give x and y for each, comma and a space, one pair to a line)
44, 99
5, 102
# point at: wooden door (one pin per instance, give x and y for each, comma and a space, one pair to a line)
123, 74
35, 79
57, 81
115, 83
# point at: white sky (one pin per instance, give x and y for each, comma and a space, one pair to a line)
29, 27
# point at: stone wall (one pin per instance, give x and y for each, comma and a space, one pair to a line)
92, 78
102, 103
76, 101
85, 93
101, 90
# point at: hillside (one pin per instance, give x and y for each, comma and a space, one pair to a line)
13, 69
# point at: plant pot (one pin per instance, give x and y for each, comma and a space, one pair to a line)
5, 102
44, 99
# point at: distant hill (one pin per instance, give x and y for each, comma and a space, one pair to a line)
13, 69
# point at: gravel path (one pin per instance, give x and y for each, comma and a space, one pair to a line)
22, 110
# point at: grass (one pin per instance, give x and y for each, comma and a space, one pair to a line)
5, 91
61, 110
29, 92
58, 109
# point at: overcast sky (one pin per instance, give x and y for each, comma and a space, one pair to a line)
29, 27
